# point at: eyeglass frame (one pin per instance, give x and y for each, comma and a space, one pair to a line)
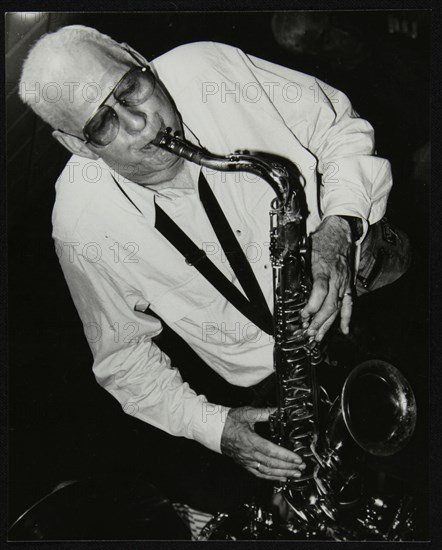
140, 65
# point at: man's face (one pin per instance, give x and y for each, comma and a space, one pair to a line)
130, 153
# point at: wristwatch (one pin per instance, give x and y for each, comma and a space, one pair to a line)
356, 227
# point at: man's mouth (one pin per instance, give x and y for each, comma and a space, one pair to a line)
147, 147
163, 129
176, 132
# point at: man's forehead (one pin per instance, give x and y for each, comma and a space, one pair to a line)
89, 62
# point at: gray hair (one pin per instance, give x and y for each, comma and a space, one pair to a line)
42, 62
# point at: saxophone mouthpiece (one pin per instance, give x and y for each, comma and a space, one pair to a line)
156, 140
162, 135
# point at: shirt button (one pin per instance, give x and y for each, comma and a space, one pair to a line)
266, 266
238, 231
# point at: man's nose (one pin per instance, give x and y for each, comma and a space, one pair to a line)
132, 119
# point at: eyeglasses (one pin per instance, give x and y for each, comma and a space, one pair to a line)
134, 88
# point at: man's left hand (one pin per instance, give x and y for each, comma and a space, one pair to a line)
331, 273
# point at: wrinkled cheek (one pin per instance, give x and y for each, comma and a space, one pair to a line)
156, 155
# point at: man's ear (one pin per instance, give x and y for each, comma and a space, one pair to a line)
74, 145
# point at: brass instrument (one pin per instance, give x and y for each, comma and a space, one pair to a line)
375, 413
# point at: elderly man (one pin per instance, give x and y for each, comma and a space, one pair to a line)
123, 273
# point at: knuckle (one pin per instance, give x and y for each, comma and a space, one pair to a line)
320, 290
320, 279
265, 447
331, 307
273, 453
320, 320
287, 458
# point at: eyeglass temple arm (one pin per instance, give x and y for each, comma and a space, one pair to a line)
134, 54
73, 135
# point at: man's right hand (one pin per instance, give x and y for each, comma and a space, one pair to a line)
257, 455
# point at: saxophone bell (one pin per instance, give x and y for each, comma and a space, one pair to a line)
378, 407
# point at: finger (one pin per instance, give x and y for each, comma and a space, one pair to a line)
323, 330
277, 463
271, 450
329, 308
261, 414
280, 472
346, 311
317, 296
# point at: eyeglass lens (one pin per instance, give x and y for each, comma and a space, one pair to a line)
135, 88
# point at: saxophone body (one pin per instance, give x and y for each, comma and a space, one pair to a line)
330, 437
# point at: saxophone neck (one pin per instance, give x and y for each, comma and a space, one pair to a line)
181, 148
273, 172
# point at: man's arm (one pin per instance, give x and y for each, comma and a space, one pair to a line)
135, 371
126, 361
355, 182
344, 146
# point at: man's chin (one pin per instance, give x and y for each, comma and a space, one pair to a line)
156, 156
165, 162
159, 168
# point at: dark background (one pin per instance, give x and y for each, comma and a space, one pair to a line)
63, 426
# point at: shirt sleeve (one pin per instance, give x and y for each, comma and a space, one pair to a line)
355, 182
126, 361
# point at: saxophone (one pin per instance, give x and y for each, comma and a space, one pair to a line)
332, 438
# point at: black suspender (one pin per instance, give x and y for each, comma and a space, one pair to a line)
231, 247
255, 307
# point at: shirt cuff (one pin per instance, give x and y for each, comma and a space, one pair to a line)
208, 423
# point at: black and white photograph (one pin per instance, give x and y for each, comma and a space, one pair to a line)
218, 275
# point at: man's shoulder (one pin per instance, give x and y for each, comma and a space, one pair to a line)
197, 52
188, 60
79, 186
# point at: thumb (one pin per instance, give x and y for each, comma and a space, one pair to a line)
262, 414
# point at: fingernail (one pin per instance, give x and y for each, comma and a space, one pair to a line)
298, 460
319, 337
305, 324
297, 474
311, 332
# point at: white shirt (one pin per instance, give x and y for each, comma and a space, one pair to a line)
117, 264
